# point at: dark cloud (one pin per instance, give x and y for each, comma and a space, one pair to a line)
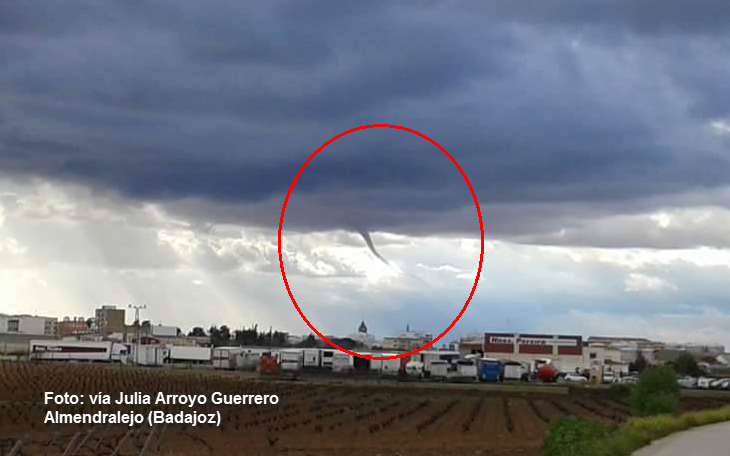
552, 105
648, 17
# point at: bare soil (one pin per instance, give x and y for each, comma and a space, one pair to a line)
337, 419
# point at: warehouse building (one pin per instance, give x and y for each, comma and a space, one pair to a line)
27, 324
607, 358
564, 351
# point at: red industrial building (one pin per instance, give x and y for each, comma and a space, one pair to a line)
564, 351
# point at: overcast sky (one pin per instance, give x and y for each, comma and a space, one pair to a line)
146, 150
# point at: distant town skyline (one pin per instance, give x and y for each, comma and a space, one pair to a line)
371, 337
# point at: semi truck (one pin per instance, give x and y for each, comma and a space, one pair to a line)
427, 357
512, 370
490, 370
76, 350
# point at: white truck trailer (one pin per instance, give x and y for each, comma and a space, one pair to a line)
312, 358
225, 357
291, 360
342, 362
326, 357
188, 355
429, 356
78, 350
466, 370
376, 365
390, 366
439, 370
512, 370
148, 355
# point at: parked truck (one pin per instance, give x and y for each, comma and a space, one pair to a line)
390, 366
512, 370
466, 371
325, 359
188, 355
248, 359
312, 358
148, 355
76, 350
291, 360
225, 357
342, 362
439, 370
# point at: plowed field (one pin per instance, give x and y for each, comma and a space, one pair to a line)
310, 419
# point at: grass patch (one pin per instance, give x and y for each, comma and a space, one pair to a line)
580, 437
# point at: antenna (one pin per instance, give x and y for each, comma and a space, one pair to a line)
137, 308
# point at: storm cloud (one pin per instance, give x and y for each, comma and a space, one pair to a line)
559, 114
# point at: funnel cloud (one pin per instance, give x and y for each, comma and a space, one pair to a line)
369, 241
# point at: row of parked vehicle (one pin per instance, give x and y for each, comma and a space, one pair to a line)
607, 377
704, 383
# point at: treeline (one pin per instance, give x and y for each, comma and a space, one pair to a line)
223, 336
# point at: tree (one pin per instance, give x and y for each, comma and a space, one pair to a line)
197, 332
656, 392
220, 336
639, 365
247, 336
309, 342
279, 339
686, 364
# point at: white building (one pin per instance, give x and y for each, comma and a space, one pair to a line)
27, 324
406, 341
164, 331
607, 357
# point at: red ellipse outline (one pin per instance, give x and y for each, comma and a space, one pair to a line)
281, 223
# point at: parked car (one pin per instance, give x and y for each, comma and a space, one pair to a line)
629, 379
574, 378
687, 382
609, 377
704, 382
722, 383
